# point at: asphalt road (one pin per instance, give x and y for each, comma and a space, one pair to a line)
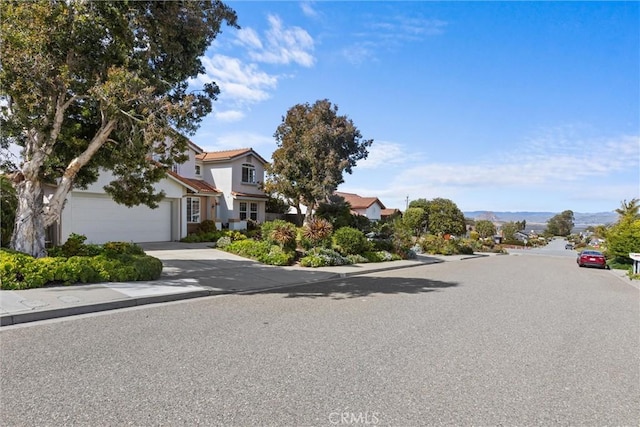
506, 340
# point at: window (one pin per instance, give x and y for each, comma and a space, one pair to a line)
193, 209
174, 167
197, 170
248, 174
252, 214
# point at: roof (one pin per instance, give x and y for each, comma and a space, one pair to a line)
217, 156
248, 196
196, 185
389, 212
358, 202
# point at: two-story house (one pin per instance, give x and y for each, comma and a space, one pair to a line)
221, 186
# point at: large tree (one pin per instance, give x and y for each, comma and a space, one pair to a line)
315, 147
444, 217
485, 228
560, 224
90, 84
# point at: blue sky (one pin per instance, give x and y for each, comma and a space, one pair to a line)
501, 106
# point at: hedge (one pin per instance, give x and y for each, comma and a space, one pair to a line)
22, 271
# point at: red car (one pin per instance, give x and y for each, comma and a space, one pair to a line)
591, 258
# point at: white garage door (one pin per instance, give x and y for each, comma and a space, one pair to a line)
102, 220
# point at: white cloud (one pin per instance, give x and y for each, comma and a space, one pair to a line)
565, 171
383, 153
285, 45
229, 115
239, 83
308, 9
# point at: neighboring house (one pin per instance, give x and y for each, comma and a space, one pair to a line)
221, 186
370, 207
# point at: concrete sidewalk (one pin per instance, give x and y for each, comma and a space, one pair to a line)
190, 271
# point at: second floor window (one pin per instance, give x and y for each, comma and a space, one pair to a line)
248, 174
197, 170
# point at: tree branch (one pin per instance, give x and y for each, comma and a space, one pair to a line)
65, 184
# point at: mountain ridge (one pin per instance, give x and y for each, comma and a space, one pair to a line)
533, 217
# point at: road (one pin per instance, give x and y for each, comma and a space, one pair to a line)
504, 340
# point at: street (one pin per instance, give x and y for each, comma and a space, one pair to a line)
519, 339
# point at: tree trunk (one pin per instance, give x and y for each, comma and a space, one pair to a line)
29, 230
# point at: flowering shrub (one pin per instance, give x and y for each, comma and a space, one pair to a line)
322, 257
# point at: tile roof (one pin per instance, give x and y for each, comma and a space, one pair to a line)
227, 155
358, 202
196, 185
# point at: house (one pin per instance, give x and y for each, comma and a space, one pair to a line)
370, 207
222, 186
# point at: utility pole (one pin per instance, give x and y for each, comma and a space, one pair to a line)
406, 203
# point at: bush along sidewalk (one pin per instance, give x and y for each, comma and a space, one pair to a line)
76, 262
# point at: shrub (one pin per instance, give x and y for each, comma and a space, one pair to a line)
322, 257
350, 241
21, 271
284, 234
279, 232
120, 248
207, 226
380, 256
316, 230
223, 242
262, 251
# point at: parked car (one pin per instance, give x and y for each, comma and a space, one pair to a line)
591, 258
568, 246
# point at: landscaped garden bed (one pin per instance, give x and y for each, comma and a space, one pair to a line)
76, 262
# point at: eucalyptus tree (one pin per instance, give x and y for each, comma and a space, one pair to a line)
316, 146
90, 84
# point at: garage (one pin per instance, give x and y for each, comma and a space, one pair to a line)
102, 220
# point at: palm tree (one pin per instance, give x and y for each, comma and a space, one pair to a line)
629, 210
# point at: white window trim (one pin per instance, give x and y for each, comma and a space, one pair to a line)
252, 175
191, 203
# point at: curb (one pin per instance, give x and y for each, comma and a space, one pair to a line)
35, 316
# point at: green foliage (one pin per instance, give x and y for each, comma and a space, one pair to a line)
438, 245
315, 147
414, 220
348, 240
8, 206
629, 210
22, 271
279, 232
317, 230
223, 242
276, 205
207, 226
336, 210
211, 236
509, 230
323, 257
262, 251
380, 256
107, 79
444, 217
560, 224
623, 238
485, 228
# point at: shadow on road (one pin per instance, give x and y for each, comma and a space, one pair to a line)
356, 287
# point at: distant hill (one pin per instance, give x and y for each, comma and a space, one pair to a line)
581, 219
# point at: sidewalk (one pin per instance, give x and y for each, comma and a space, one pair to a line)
190, 271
